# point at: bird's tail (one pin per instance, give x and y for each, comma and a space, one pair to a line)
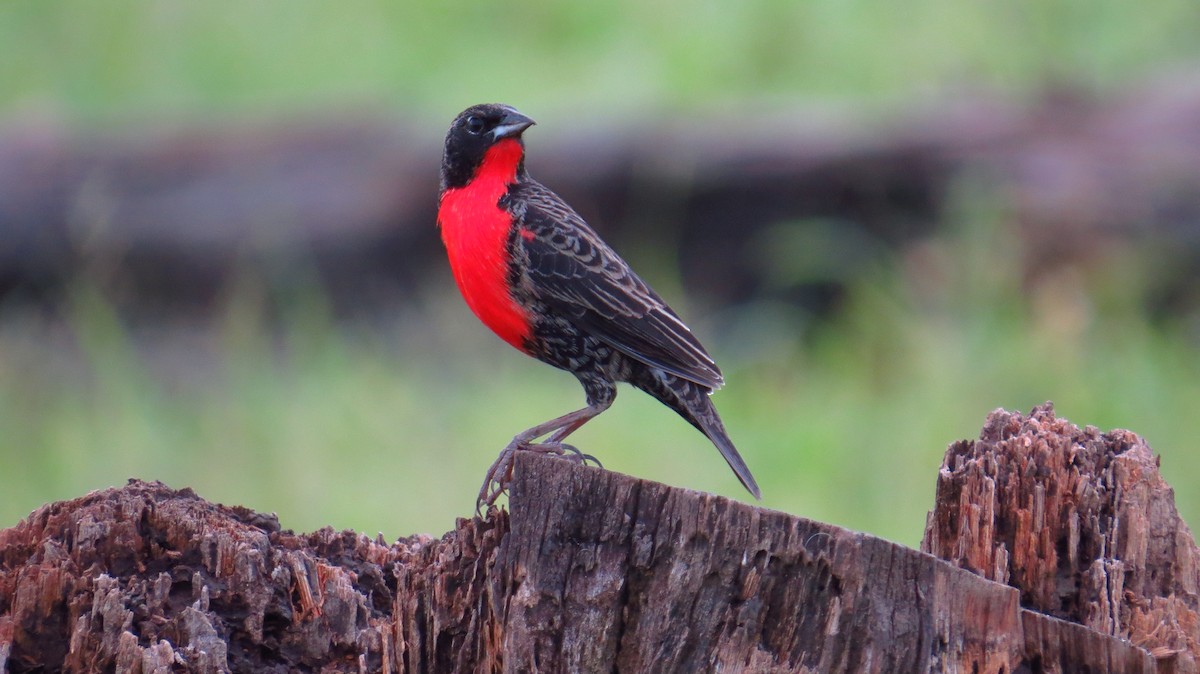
690, 400
712, 426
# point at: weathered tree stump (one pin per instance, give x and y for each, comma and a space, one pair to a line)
592, 571
1080, 521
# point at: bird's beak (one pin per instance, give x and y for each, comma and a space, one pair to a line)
512, 124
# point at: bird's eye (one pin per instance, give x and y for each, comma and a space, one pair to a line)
474, 125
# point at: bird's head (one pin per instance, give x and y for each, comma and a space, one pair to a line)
475, 131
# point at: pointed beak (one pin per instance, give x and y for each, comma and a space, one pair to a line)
512, 124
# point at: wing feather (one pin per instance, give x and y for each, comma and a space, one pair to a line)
578, 275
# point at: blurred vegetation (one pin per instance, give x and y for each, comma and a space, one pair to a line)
121, 59
388, 427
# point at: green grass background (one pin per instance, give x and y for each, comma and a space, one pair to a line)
389, 427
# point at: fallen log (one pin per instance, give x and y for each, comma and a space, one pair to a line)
587, 571
167, 215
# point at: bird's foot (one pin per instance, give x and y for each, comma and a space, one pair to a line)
565, 451
499, 475
497, 478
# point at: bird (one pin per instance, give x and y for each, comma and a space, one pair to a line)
536, 274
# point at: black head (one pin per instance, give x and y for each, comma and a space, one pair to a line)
474, 131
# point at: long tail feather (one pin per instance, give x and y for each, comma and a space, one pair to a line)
690, 400
715, 430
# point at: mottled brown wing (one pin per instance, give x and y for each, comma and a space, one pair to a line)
575, 273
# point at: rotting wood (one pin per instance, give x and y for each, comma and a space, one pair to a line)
1080, 521
592, 571
144, 577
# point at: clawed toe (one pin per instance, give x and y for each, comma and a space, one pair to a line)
499, 475
496, 481
569, 452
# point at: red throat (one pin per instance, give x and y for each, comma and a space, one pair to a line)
476, 232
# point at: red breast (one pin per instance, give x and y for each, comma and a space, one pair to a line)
476, 232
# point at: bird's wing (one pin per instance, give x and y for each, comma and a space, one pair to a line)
575, 273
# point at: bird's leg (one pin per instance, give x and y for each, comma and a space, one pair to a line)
571, 420
568, 429
554, 444
498, 476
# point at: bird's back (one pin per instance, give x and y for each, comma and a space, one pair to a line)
565, 265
